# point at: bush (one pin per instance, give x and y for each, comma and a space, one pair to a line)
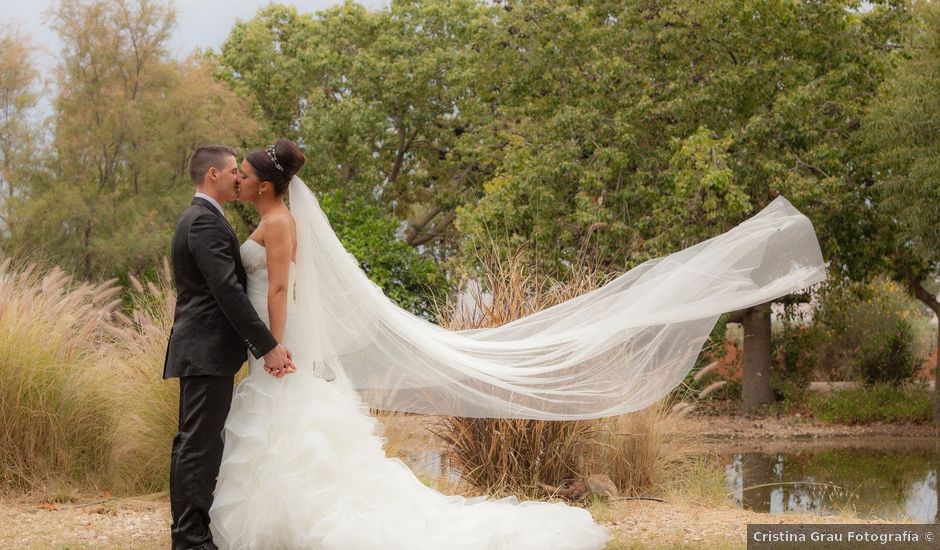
642, 451
498, 455
795, 358
868, 332
889, 358
412, 280
144, 430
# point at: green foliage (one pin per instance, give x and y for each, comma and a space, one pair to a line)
795, 348
878, 403
19, 130
604, 131
889, 358
858, 332
628, 131
414, 282
379, 100
904, 136
904, 141
126, 118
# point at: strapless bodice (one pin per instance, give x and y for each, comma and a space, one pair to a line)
255, 259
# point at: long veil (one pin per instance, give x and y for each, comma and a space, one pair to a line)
616, 349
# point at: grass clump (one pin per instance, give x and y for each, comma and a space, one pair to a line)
877, 403
639, 452
148, 405
55, 418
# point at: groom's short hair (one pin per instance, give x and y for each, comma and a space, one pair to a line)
208, 156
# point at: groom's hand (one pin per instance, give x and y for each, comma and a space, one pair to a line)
278, 362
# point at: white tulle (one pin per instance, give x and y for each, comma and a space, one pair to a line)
303, 468
615, 350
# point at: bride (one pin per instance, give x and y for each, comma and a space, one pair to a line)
303, 465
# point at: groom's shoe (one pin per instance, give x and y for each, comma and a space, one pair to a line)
205, 546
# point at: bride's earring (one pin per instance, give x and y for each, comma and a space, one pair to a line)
259, 191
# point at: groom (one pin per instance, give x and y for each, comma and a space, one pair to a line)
212, 326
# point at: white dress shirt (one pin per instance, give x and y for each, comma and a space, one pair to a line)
214, 202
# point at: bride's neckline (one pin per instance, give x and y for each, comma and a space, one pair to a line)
250, 240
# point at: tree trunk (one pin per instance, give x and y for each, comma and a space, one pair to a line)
936, 394
925, 296
755, 388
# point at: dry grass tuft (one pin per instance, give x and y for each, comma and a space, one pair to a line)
148, 418
55, 420
638, 451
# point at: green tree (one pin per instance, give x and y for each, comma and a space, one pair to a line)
19, 134
630, 131
380, 102
126, 117
379, 99
414, 282
903, 136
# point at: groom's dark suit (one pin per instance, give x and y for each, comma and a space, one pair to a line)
213, 325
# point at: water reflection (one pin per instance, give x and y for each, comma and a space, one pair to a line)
889, 483
433, 463
879, 484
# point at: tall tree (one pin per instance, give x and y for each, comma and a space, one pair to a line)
19, 137
903, 134
126, 117
632, 130
380, 100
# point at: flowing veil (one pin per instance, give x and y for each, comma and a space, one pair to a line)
616, 349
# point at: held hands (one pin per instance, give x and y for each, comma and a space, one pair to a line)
279, 362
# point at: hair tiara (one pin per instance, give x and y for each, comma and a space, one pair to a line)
273, 155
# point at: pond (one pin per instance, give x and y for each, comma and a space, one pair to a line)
888, 479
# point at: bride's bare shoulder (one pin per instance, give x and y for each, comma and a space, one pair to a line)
278, 225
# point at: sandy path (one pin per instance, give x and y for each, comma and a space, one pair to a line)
144, 523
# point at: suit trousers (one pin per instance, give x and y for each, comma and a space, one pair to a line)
197, 453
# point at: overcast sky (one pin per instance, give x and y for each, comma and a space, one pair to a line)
199, 23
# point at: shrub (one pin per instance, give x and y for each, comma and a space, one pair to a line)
795, 349
861, 331
889, 358
498, 455
642, 451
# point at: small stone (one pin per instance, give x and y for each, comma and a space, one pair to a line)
602, 486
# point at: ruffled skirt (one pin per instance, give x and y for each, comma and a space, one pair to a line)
303, 468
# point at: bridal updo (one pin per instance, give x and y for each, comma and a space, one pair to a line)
277, 163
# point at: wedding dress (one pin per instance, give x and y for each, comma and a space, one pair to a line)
303, 468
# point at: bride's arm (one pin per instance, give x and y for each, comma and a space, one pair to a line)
278, 242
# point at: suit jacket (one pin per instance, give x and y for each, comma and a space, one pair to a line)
214, 321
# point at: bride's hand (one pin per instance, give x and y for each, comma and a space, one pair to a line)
281, 371
279, 362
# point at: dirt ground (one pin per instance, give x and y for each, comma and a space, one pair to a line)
723, 424
100, 521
